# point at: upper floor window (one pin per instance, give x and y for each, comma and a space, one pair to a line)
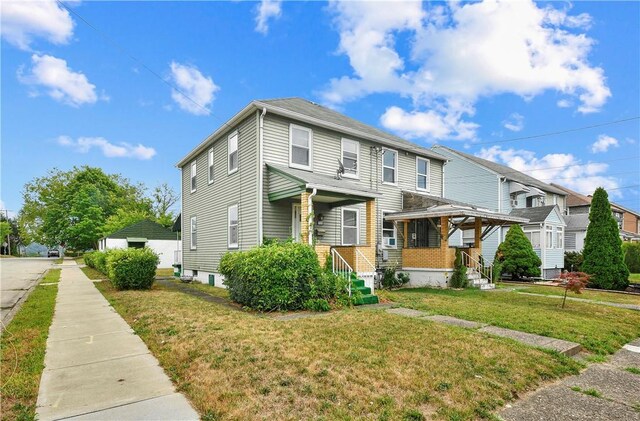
232, 148
194, 233
422, 174
389, 166
210, 157
619, 218
232, 222
194, 171
559, 237
389, 233
350, 157
534, 238
350, 226
300, 147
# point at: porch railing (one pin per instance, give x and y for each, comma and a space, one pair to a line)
341, 267
485, 272
365, 269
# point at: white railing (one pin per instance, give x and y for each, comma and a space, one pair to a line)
341, 267
177, 257
470, 262
365, 269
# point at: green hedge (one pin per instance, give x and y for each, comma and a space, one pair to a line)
632, 256
281, 276
126, 268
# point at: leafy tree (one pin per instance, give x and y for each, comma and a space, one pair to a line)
573, 281
162, 198
123, 218
573, 260
459, 277
5, 229
515, 255
632, 256
603, 257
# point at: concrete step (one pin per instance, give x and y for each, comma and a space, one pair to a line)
487, 286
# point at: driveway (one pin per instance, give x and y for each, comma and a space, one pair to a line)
17, 276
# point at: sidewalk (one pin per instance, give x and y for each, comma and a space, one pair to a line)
96, 367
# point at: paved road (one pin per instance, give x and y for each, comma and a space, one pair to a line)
17, 275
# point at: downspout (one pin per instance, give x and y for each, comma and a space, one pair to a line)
310, 215
443, 168
260, 173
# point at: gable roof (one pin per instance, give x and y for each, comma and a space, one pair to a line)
311, 113
577, 222
505, 171
144, 229
578, 199
535, 215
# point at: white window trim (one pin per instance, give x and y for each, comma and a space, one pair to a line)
346, 174
194, 174
229, 243
191, 223
293, 164
559, 236
531, 232
548, 230
427, 175
395, 172
210, 159
357, 211
229, 152
395, 232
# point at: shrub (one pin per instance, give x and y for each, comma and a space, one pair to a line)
573, 260
573, 281
459, 277
603, 258
89, 259
100, 261
632, 256
132, 268
277, 276
392, 279
515, 255
317, 304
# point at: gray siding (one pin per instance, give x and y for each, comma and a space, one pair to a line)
210, 202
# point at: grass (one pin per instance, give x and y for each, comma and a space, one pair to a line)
591, 392
92, 273
215, 291
351, 364
611, 297
59, 261
164, 272
633, 370
600, 329
634, 278
23, 347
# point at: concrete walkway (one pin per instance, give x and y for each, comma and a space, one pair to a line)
584, 300
96, 368
559, 345
616, 390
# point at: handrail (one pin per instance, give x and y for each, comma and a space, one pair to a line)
471, 262
365, 274
341, 267
360, 255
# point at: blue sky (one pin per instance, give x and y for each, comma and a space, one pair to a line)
471, 76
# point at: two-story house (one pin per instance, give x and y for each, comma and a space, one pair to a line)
577, 219
289, 168
497, 187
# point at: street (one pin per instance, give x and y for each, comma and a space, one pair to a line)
17, 275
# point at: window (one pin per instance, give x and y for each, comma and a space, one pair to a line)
619, 218
422, 174
570, 240
559, 237
194, 171
233, 226
350, 157
194, 233
389, 166
350, 227
232, 149
210, 165
548, 239
389, 233
300, 146
423, 233
534, 238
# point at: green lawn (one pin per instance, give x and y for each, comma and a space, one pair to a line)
611, 297
634, 278
349, 364
600, 329
23, 346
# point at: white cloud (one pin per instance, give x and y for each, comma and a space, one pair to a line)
265, 11
428, 124
110, 150
564, 169
22, 21
515, 122
60, 82
459, 53
196, 92
564, 103
603, 143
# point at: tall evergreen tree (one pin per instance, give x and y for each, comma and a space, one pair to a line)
603, 256
515, 255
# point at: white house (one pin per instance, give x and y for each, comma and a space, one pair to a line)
145, 233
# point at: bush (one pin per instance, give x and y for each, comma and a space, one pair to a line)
317, 304
89, 259
277, 276
632, 256
459, 278
392, 279
132, 268
515, 255
573, 261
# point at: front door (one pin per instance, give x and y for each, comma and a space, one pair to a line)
296, 222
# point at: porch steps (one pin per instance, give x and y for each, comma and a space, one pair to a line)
477, 281
366, 296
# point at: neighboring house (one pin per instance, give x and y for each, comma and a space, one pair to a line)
580, 204
505, 190
145, 233
575, 231
273, 171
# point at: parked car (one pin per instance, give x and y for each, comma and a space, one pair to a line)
53, 253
